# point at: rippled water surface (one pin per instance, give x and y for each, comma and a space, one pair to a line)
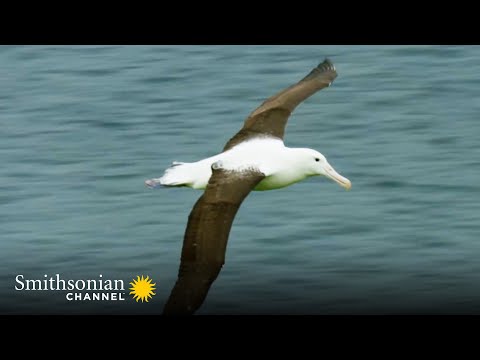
82, 127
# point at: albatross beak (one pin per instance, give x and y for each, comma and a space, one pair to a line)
339, 179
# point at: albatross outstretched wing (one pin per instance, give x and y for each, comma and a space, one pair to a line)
206, 236
271, 117
211, 218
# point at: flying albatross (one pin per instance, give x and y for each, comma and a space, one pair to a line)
254, 159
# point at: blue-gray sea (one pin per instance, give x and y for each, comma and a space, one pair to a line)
82, 128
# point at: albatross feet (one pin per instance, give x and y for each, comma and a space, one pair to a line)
153, 183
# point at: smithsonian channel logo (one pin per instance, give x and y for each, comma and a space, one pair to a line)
100, 289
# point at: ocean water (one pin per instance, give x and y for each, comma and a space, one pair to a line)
82, 128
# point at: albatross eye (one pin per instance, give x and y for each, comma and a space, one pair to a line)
317, 159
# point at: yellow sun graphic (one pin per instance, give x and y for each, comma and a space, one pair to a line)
142, 288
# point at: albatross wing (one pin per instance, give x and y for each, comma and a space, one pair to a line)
206, 236
270, 118
211, 218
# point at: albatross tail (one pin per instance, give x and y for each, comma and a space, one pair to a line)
178, 174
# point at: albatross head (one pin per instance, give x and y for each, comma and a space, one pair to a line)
316, 164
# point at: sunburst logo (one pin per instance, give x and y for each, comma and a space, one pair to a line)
142, 288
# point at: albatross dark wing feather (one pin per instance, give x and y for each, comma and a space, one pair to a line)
270, 118
206, 236
210, 221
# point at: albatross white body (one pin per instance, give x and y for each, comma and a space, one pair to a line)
255, 158
282, 166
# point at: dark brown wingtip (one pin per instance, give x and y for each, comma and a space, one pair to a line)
325, 67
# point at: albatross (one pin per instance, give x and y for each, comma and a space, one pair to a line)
254, 159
